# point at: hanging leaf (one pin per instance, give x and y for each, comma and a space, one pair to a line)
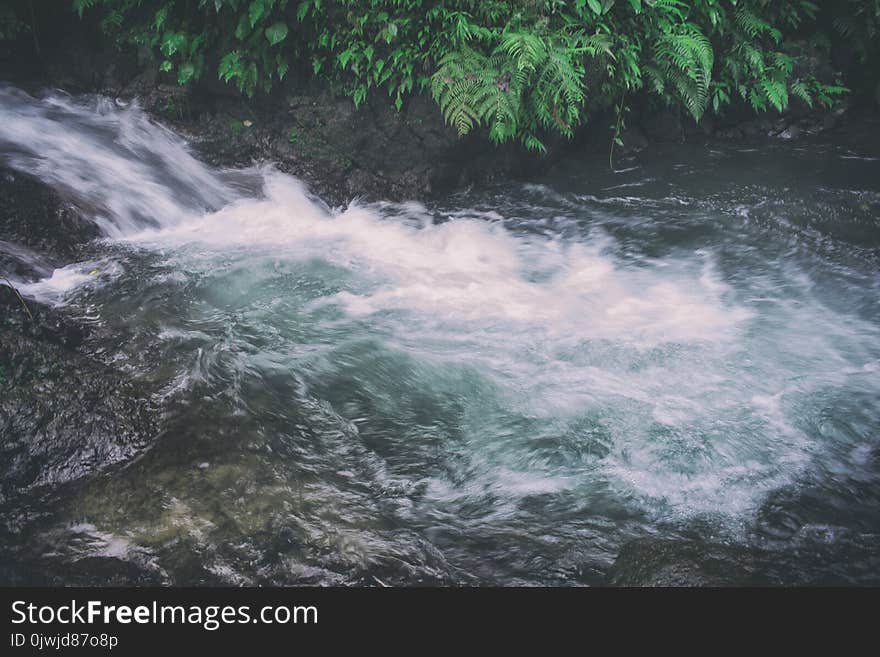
276, 33
256, 11
343, 57
230, 66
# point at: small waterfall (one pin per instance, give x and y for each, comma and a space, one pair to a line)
123, 169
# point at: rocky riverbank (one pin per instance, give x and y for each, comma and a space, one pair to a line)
375, 152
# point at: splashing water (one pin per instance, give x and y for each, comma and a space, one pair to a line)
503, 389
129, 170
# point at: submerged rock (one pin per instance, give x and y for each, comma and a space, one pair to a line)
658, 562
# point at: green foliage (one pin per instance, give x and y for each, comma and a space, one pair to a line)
517, 69
683, 61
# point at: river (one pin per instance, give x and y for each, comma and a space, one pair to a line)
501, 386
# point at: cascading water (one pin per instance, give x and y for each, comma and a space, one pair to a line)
503, 388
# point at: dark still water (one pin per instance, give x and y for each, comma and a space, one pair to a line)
503, 387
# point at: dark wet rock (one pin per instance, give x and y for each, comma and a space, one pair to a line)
373, 152
25, 318
663, 126
35, 217
62, 415
659, 562
848, 499
791, 132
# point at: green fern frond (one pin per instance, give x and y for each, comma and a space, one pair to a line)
757, 100
527, 82
776, 93
750, 23
675, 8
525, 49
657, 80
685, 56
799, 89
754, 58
782, 63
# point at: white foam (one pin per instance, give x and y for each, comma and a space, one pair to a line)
55, 289
466, 270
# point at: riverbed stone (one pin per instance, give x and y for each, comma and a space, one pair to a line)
62, 415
